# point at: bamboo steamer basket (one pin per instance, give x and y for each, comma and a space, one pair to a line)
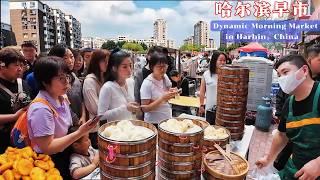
208, 144
222, 169
127, 159
232, 99
180, 154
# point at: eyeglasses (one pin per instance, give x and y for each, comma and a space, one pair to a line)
64, 78
161, 66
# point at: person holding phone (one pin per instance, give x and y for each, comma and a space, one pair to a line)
116, 98
48, 125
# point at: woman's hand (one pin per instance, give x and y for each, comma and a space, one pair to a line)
201, 110
168, 95
133, 107
87, 126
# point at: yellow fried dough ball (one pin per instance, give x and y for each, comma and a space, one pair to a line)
24, 167
8, 175
42, 164
37, 174
5, 167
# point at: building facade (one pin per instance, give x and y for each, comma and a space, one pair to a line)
160, 31
37, 22
201, 34
7, 37
73, 32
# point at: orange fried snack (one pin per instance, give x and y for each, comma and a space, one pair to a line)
24, 167
37, 174
42, 164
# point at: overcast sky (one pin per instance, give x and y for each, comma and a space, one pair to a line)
108, 19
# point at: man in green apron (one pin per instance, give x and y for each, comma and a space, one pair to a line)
299, 122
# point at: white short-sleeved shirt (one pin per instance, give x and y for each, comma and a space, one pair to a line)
154, 89
211, 89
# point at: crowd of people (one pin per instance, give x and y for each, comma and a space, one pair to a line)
58, 96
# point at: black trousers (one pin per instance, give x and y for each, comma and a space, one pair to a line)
211, 116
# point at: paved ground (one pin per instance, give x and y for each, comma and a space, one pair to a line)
259, 145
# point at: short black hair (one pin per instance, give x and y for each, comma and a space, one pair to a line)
85, 50
58, 50
28, 44
313, 49
155, 49
165, 50
73, 129
188, 54
10, 55
46, 68
157, 58
293, 59
174, 73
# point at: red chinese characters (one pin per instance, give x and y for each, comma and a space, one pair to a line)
223, 8
243, 9
262, 9
300, 9
281, 7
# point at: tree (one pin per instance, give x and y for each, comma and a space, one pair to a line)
109, 45
132, 46
120, 43
191, 47
145, 47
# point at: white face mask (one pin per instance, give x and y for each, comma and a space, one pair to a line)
290, 82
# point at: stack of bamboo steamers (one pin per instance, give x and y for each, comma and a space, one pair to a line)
232, 99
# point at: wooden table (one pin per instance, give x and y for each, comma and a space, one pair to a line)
186, 101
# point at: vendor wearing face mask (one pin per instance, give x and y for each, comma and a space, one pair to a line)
299, 122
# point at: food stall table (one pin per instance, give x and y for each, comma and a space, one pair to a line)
186, 101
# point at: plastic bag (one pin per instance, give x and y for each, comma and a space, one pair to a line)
267, 173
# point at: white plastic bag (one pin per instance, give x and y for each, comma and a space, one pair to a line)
267, 173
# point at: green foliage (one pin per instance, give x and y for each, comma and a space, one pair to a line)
145, 47
109, 45
191, 47
133, 47
120, 43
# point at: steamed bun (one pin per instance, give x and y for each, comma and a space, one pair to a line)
126, 131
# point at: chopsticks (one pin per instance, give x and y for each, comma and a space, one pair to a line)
227, 157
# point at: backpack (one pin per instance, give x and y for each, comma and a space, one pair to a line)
19, 133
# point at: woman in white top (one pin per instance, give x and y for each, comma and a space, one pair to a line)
208, 87
156, 91
92, 85
116, 99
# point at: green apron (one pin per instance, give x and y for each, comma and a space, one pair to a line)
304, 132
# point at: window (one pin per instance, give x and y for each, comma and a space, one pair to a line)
33, 27
34, 35
24, 19
32, 4
33, 12
25, 35
24, 5
33, 20
23, 13
24, 27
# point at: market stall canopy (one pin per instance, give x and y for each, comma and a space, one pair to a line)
251, 47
